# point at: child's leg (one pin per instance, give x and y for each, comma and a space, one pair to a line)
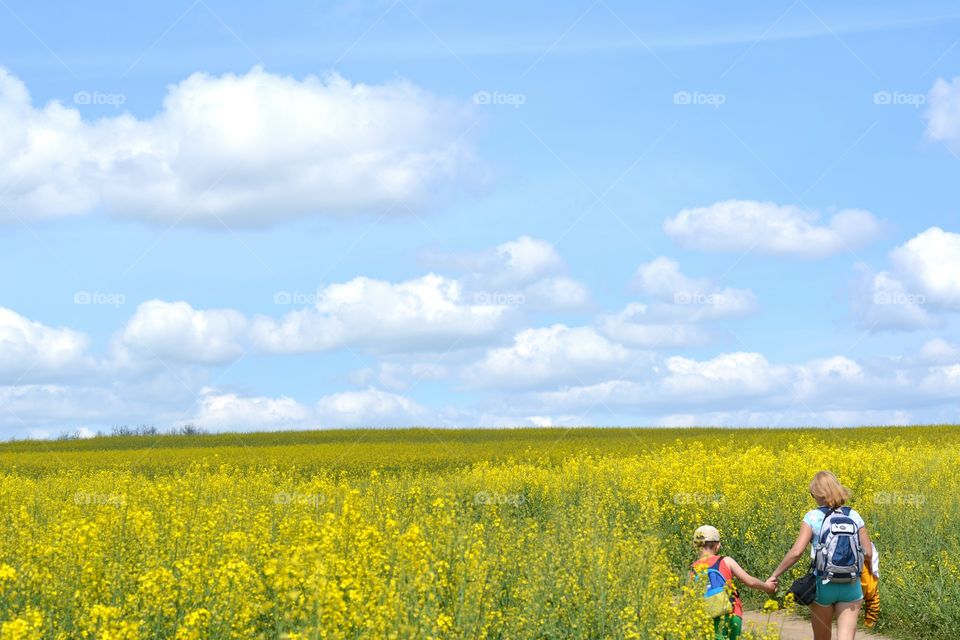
728, 627
821, 617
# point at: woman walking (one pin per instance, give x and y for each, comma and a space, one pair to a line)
841, 546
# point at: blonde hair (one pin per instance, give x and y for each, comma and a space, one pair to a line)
827, 490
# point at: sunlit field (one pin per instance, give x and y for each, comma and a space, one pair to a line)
448, 534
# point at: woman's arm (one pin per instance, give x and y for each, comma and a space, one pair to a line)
867, 546
795, 553
748, 580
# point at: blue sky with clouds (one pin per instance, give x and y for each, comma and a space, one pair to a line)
418, 213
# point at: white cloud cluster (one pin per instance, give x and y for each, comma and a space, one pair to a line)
425, 313
176, 332
943, 112
525, 272
745, 388
30, 350
548, 356
922, 283
226, 411
434, 328
245, 149
681, 311
767, 228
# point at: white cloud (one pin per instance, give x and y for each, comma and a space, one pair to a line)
943, 114
400, 375
548, 355
524, 260
526, 272
31, 351
370, 407
509, 264
426, 313
727, 382
767, 228
930, 262
727, 375
642, 326
791, 418
176, 332
558, 293
939, 351
684, 305
923, 282
883, 303
226, 411
246, 149
220, 411
662, 279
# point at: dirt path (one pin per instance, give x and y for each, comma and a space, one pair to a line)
791, 627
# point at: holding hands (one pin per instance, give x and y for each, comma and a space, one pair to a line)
770, 586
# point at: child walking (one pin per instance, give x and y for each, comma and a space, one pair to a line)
717, 574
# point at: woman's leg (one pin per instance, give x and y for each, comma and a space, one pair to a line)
821, 617
847, 614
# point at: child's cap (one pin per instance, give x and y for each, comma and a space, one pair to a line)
706, 533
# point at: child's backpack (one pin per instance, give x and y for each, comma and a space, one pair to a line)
839, 555
717, 599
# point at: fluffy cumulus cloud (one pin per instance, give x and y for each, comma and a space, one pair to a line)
245, 149
548, 355
524, 272
369, 407
767, 228
226, 411
745, 388
940, 351
522, 260
943, 113
681, 311
922, 284
426, 313
30, 350
930, 263
882, 302
175, 332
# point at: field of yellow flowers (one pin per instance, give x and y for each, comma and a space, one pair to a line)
447, 534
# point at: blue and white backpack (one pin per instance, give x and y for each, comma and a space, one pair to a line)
838, 554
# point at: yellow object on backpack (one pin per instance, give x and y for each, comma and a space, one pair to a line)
870, 581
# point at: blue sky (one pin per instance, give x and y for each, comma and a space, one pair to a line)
497, 214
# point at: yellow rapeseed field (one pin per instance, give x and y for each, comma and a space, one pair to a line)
448, 534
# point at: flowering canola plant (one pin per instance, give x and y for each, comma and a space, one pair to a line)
460, 535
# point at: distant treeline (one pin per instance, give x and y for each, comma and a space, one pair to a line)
142, 430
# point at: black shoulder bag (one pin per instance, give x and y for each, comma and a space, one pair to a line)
804, 589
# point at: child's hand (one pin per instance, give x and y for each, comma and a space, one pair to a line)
770, 586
